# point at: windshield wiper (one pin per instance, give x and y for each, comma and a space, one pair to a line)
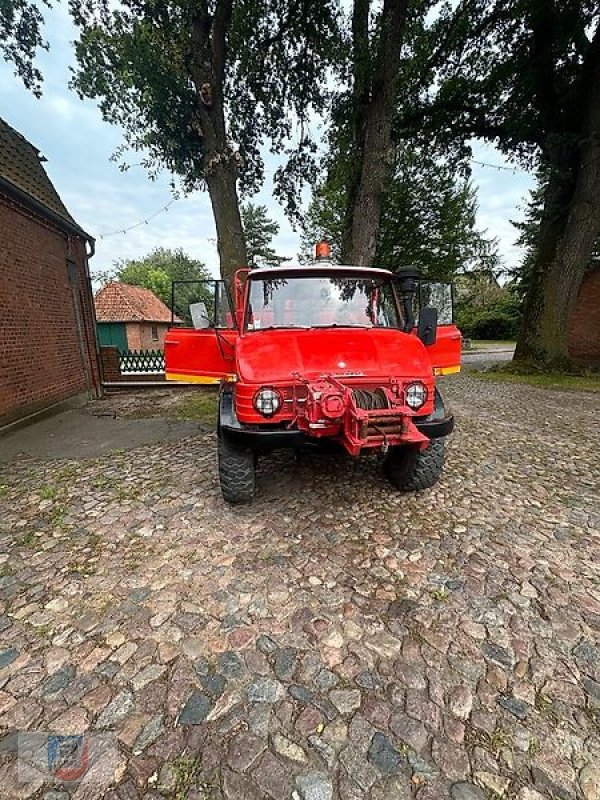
281, 328
341, 325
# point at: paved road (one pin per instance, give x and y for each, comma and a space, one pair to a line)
335, 639
484, 357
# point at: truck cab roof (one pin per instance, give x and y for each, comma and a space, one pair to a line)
319, 271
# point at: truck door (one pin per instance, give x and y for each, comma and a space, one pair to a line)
200, 344
445, 353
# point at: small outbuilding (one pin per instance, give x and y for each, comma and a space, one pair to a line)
131, 317
48, 351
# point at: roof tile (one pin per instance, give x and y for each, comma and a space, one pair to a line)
21, 166
121, 302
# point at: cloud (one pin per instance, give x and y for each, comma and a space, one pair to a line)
79, 144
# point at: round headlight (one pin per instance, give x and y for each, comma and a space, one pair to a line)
416, 395
267, 402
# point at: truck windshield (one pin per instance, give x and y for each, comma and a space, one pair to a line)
321, 302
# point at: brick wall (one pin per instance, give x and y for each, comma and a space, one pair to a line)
139, 335
584, 333
109, 359
45, 358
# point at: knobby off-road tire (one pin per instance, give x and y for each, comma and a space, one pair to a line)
237, 469
412, 470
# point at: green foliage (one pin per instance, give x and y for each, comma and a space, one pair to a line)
199, 406
159, 269
428, 218
505, 70
497, 319
20, 38
156, 271
259, 230
270, 68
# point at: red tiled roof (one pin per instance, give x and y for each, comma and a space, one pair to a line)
120, 302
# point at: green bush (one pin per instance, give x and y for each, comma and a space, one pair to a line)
499, 320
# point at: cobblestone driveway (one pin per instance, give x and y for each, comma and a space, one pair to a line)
335, 639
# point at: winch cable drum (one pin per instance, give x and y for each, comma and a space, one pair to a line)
370, 400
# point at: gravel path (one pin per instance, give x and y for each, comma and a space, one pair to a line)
333, 640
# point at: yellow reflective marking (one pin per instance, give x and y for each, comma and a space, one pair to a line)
206, 379
446, 370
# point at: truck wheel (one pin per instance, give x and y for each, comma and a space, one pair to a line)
236, 472
412, 470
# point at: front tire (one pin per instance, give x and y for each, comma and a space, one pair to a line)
412, 470
237, 470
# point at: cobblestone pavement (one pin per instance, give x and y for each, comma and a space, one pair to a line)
333, 640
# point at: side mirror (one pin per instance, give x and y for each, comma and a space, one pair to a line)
427, 330
200, 319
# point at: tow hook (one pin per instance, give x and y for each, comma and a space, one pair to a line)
385, 445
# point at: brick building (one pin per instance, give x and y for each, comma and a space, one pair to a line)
584, 331
48, 350
131, 317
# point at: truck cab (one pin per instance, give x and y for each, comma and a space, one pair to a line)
322, 355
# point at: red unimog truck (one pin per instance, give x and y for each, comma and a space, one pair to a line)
322, 354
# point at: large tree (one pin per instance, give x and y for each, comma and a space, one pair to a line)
21, 37
427, 217
199, 85
526, 75
364, 116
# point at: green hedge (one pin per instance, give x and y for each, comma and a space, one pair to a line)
498, 320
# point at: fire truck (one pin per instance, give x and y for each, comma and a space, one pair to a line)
322, 355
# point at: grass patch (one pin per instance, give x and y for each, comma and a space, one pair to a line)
200, 406
522, 373
124, 493
187, 774
48, 492
85, 570
27, 540
490, 344
440, 595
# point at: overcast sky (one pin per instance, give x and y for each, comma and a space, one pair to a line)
71, 134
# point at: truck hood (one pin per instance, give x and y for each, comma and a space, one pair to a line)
274, 356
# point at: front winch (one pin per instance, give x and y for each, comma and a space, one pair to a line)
369, 400
358, 417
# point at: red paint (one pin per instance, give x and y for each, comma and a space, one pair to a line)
447, 348
200, 353
315, 370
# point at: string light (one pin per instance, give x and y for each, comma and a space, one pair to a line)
139, 224
162, 210
496, 166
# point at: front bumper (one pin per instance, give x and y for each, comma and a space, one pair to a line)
267, 438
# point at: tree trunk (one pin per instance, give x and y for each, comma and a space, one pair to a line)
566, 242
206, 65
373, 150
222, 189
